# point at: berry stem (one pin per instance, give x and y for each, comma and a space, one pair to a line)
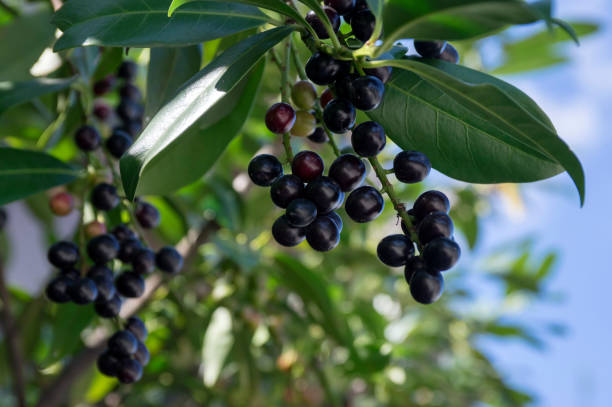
285, 96
299, 66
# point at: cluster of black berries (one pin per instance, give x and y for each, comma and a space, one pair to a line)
126, 353
437, 50
354, 12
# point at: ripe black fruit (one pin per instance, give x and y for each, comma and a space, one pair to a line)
128, 248
363, 23
72, 274
168, 260
285, 234
429, 49
143, 261
441, 254
108, 364
103, 86
130, 371
130, 92
104, 285
323, 234
364, 204
325, 193
368, 139
127, 70
130, 284
57, 289
383, 73
359, 5
413, 265
341, 6
450, 54
99, 271
147, 215
348, 171
395, 250
343, 87
426, 287
132, 127
142, 354
307, 165
264, 169
110, 308
318, 26
137, 327
87, 138
123, 232
301, 213
339, 116
104, 197
123, 343
63, 255
129, 111
319, 136
336, 218
102, 249
368, 92
411, 166
430, 201
83, 291
323, 69
286, 189
280, 118
434, 225
118, 143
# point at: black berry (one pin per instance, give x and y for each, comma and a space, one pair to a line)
87, 138
57, 289
429, 49
83, 291
130, 371
383, 73
130, 284
368, 92
169, 260
363, 23
343, 87
132, 127
143, 261
105, 287
109, 308
63, 255
301, 213
123, 232
102, 249
318, 26
325, 193
364, 204
319, 136
128, 248
127, 70
129, 111
395, 250
368, 139
103, 86
99, 271
137, 327
147, 215
307, 165
108, 364
118, 143
123, 343
433, 226
441, 254
102, 111
359, 5
104, 197
426, 287
72, 274
142, 354
411, 166
413, 265
341, 6
430, 201
336, 218
323, 69
130, 92
280, 118
348, 171
339, 116
323, 234
285, 234
264, 169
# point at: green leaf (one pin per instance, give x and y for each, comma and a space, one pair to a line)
473, 127
145, 23
217, 343
203, 92
455, 19
109, 62
169, 68
15, 93
24, 173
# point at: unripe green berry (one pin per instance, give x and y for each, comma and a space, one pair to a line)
305, 124
304, 95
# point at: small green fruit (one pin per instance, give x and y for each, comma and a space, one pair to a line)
305, 124
304, 94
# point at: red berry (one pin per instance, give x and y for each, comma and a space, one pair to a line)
102, 111
326, 97
307, 165
280, 118
61, 204
94, 228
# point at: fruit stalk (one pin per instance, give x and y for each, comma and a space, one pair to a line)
285, 92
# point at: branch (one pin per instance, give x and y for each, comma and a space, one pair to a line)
55, 394
8, 9
13, 342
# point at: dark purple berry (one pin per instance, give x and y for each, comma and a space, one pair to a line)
450, 54
395, 250
87, 138
118, 143
348, 171
383, 73
169, 260
433, 226
132, 127
339, 116
127, 70
83, 291
301, 213
319, 136
325, 193
99, 271
341, 6
441, 254
142, 354
108, 364
102, 249
430, 201
143, 261
130, 371
104, 197
411, 166
103, 86
129, 111
128, 248
130, 92
359, 5
72, 274
323, 69
102, 111
137, 327
280, 118
426, 287
368, 139
106, 288
57, 289
364, 204
123, 232
326, 97
130, 284
286, 189
307, 165
147, 215
323, 234
285, 234
264, 169
109, 308
63, 255
123, 343
363, 23
368, 92
429, 49
336, 218
318, 26
413, 265
343, 87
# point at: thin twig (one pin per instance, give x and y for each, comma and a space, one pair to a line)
8, 8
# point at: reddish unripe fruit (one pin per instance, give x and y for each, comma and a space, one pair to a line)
304, 94
61, 204
326, 97
280, 118
102, 111
307, 165
305, 124
94, 228
103, 86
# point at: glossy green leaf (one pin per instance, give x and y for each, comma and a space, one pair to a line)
15, 93
472, 126
197, 97
145, 23
24, 173
169, 68
109, 62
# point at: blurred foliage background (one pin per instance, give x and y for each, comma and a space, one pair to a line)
250, 323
